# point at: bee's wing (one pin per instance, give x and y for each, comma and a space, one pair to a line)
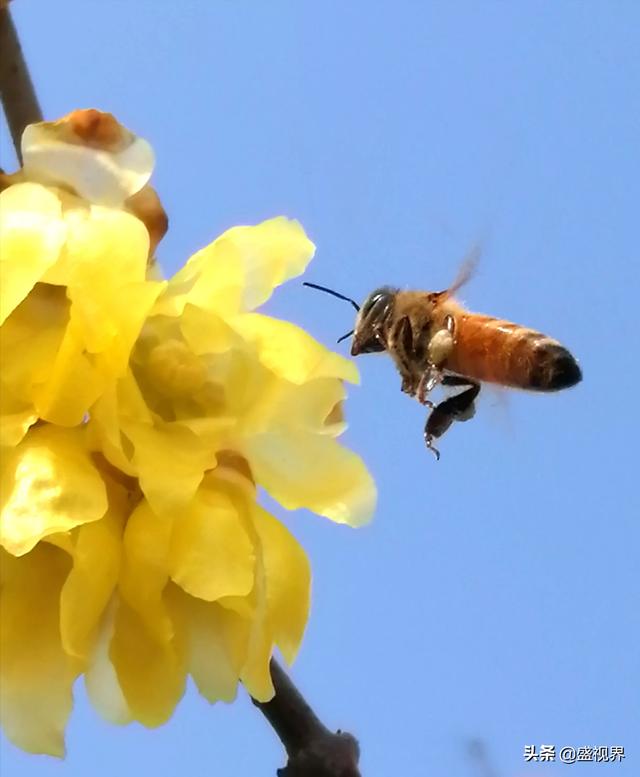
494, 401
467, 269
497, 402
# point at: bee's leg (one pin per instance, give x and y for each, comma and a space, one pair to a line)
429, 443
429, 379
459, 407
439, 349
402, 353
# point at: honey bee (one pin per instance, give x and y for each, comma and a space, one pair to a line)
434, 341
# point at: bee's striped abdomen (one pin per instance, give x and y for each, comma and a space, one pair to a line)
496, 351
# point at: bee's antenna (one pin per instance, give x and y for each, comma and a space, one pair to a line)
335, 294
344, 337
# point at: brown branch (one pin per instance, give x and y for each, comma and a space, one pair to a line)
313, 750
19, 100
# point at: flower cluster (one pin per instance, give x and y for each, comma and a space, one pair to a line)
138, 418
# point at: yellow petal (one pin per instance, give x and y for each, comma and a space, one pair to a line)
216, 645
312, 471
212, 555
36, 676
108, 421
97, 320
32, 236
49, 485
100, 676
290, 352
106, 241
288, 582
170, 462
44, 358
271, 253
282, 405
146, 650
256, 676
106, 256
151, 671
110, 328
90, 152
206, 332
246, 638
72, 386
61, 540
30, 341
92, 580
145, 574
14, 423
240, 269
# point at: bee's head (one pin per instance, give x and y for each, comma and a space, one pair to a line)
368, 334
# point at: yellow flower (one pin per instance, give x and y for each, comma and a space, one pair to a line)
139, 419
73, 288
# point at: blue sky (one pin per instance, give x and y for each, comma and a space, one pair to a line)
495, 595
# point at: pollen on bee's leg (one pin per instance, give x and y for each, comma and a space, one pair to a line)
440, 346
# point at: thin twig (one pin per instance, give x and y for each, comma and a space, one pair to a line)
19, 100
312, 749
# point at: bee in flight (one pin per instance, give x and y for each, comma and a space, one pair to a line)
435, 341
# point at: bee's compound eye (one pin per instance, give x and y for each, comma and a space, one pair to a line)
377, 299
